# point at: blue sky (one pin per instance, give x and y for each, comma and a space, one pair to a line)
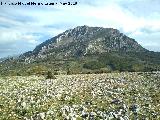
24, 27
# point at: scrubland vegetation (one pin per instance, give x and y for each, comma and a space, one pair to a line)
109, 96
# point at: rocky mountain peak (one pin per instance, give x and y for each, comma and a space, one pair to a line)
84, 40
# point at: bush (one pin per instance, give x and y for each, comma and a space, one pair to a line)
50, 75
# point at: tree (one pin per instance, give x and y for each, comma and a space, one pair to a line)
94, 65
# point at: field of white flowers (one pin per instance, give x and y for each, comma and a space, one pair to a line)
112, 96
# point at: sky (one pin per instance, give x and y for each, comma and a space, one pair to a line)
22, 28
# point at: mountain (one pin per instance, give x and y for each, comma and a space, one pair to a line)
84, 40
2, 59
9, 58
85, 49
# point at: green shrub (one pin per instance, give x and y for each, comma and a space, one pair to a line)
93, 65
50, 75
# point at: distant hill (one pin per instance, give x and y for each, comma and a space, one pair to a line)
85, 49
9, 57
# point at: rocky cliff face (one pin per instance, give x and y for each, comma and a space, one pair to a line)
84, 40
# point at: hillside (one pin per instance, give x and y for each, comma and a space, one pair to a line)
84, 49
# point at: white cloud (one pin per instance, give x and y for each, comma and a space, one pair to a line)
12, 36
113, 15
8, 37
149, 40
